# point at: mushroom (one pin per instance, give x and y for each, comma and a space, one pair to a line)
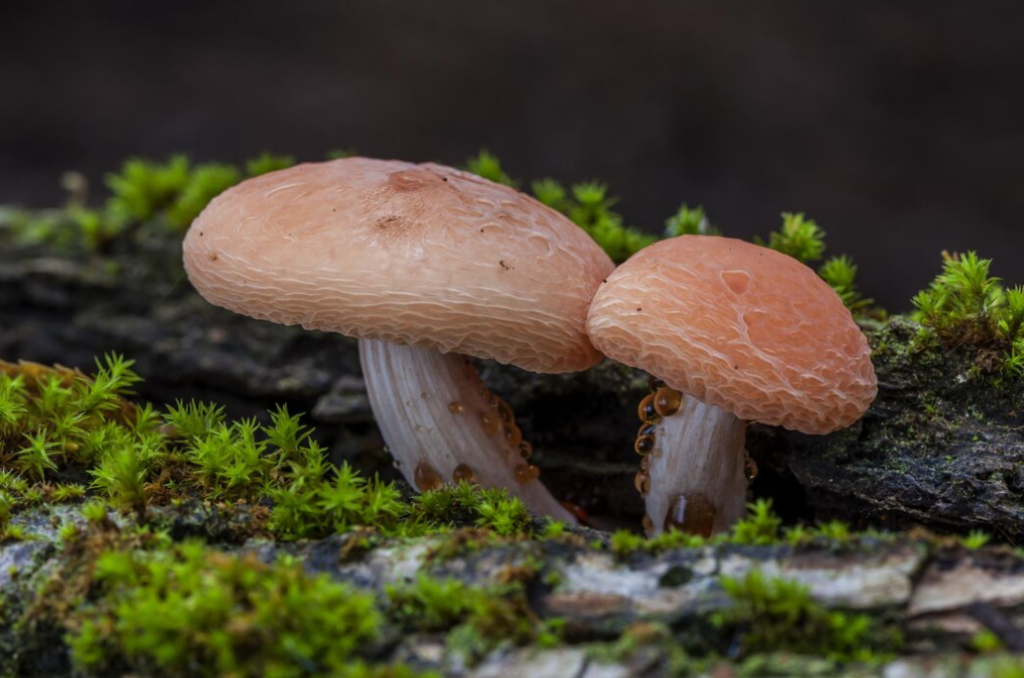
736, 332
425, 265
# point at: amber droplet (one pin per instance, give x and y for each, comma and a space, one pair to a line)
667, 401
513, 435
750, 469
646, 411
463, 472
490, 423
648, 526
653, 383
644, 445
692, 513
505, 412
426, 478
455, 407
527, 472
642, 482
488, 397
645, 464
646, 429
525, 450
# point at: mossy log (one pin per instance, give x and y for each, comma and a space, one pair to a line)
932, 594
942, 446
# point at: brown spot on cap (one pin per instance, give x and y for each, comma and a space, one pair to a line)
382, 250
741, 327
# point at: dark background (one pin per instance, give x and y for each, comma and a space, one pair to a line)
898, 126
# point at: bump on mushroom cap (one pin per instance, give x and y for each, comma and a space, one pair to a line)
738, 326
423, 255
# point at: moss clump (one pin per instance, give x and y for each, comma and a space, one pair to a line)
689, 222
143, 188
802, 239
59, 425
760, 527
487, 165
840, 273
772, 615
169, 194
268, 162
186, 610
476, 619
465, 504
798, 237
588, 205
965, 305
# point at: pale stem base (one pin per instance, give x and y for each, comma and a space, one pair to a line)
437, 416
697, 480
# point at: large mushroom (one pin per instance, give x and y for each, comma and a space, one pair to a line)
736, 333
425, 265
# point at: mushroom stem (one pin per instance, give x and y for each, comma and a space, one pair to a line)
442, 424
694, 474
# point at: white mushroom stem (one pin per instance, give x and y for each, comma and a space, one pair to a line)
442, 425
696, 470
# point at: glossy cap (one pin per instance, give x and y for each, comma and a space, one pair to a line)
423, 255
741, 327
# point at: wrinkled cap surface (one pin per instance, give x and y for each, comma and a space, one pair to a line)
739, 326
423, 255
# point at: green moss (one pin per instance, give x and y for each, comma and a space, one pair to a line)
590, 208
55, 424
488, 166
689, 222
759, 527
840, 273
966, 305
475, 619
798, 237
772, 615
186, 610
268, 162
143, 188
205, 183
975, 540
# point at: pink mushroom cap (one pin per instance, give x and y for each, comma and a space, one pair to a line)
423, 255
738, 326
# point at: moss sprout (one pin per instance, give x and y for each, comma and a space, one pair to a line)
205, 183
689, 221
759, 527
798, 237
487, 165
143, 188
975, 540
268, 162
840, 273
967, 306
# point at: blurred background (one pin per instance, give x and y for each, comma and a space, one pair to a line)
898, 126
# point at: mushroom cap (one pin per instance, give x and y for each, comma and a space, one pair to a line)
423, 255
739, 326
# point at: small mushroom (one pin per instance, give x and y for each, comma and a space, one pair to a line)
736, 333
425, 265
